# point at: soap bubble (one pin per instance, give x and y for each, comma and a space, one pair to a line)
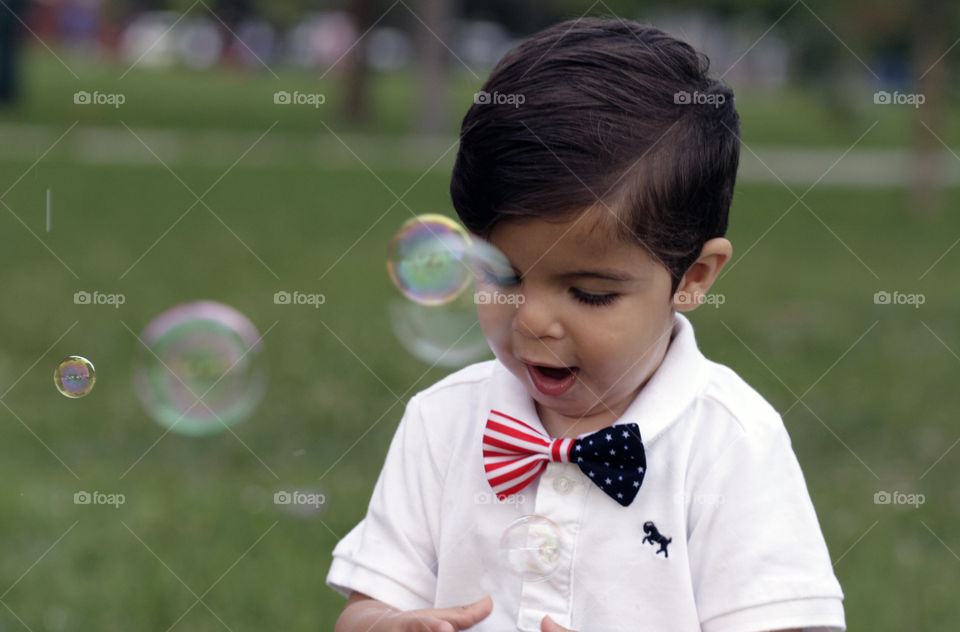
202, 370
74, 377
433, 261
441, 335
531, 547
426, 259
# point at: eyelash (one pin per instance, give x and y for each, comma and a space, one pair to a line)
586, 298
594, 300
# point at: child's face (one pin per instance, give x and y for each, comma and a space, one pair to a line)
612, 333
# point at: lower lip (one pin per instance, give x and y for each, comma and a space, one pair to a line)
549, 386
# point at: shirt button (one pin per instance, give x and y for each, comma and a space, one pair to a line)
562, 484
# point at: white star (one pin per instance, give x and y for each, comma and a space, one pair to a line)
619, 495
590, 473
606, 463
619, 478
625, 434
609, 437
591, 441
579, 459
607, 481
640, 469
577, 448
613, 451
636, 483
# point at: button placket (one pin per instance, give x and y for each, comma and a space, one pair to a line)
560, 497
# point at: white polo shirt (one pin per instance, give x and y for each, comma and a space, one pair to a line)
722, 483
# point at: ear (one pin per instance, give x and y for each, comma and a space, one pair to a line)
700, 276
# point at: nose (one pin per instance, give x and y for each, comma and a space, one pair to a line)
536, 317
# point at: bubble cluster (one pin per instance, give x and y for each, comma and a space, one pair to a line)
74, 377
531, 547
433, 261
201, 369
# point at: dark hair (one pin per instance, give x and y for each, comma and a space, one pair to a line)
607, 110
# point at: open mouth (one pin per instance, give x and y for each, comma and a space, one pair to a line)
552, 381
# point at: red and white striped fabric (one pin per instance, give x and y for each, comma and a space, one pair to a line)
515, 453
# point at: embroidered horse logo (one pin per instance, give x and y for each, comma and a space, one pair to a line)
655, 537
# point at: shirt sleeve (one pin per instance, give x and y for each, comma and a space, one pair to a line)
391, 554
757, 555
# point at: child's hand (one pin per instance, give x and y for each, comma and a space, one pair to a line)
442, 619
549, 625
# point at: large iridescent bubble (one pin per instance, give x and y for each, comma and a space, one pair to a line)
426, 259
202, 369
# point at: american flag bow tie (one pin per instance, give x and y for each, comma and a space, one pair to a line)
514, 455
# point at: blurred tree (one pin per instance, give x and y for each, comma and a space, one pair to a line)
10, 35
430, 36
357, 101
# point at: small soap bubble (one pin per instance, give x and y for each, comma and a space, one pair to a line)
531, 546
201, 370
427, 259
74, 377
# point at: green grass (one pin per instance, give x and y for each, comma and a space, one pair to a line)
798, 300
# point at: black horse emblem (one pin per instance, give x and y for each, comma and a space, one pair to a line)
655, 537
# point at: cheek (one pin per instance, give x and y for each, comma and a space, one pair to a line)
496, 323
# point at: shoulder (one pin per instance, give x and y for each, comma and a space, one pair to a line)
725, 394
446, 405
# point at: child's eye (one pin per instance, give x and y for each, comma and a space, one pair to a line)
593, 299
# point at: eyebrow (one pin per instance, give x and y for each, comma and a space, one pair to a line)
608, 275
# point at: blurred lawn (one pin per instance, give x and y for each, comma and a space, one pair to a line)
234, 99
798, 301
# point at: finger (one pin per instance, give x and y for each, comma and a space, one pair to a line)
549, 625
464, 617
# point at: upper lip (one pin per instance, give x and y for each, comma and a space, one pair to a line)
549, 366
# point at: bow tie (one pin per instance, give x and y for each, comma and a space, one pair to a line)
515, 453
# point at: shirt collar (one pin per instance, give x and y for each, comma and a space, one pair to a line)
667, 393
